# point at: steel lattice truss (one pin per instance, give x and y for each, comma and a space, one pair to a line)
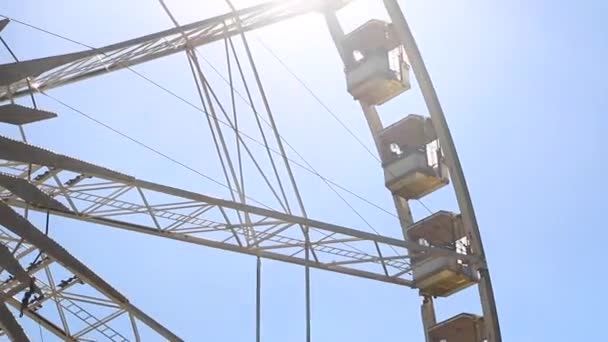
55, 71
85, 307
163, 211
70, 308
78, 305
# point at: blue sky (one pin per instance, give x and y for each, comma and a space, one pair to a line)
521, 82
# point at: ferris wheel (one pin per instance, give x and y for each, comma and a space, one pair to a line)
438, 255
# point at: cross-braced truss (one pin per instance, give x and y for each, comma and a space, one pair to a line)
76, 307
55, 71
73, 303
163, 211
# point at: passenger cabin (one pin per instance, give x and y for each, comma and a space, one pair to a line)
411, 158
438, 275
379, 71
461, 328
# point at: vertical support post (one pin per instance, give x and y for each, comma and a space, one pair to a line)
258, 300
427, 312
305, 229
404, 213
460, 187
337, 34
307, 281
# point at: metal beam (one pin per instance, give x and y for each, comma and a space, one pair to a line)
9, 263
3, 23
19, 151
339, 249
11, 326
18, 71
56, 71
451, 156
28, 192
48, 325
21, 227
15, 114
